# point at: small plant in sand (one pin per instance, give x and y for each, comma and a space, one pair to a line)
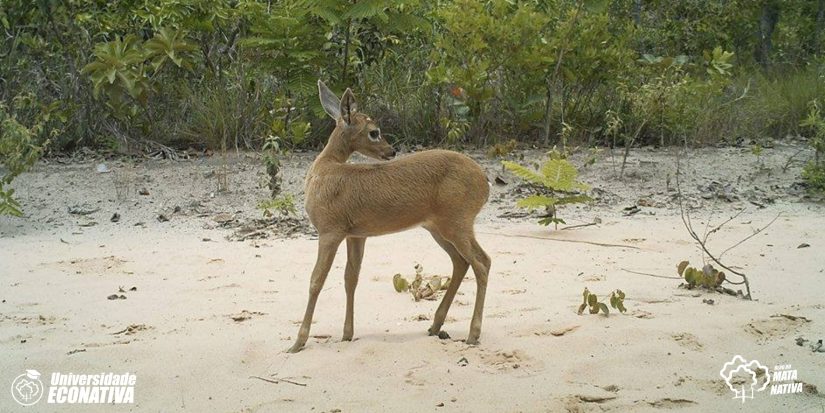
557, 184
592, 301
285, 132
708, 277
757, 150
419, 288
814, 172
284, 204
272, 162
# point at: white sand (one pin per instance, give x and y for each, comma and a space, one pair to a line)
665, 353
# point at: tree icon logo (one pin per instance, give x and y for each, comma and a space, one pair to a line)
745, 377
27, 389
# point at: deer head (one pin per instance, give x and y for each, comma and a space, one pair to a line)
357, 131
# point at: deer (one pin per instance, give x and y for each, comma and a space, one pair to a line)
439, 190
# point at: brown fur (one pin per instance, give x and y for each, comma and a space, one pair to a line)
442, 191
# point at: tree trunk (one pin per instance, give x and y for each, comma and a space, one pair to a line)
767, 24
548, 109
820, 24
637, 12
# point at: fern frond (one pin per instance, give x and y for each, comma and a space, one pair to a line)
559, 174
523, 172
328, 10
536, 201
366, 9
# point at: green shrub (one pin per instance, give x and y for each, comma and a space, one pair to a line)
814, 172
18, 152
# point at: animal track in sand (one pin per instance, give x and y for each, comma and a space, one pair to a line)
580, 403
497, 361
688, 341
544, 332
778, 325
130, 330
668, 403
412, 376
92, 266
30, 319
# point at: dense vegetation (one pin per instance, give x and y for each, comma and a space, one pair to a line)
131, 74
195, 72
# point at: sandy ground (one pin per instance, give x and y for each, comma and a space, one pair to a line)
536, 353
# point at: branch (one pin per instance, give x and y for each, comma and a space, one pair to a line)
276, 381
652, 275
600, 244
751, 235
688, 225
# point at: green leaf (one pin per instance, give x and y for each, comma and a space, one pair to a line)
693, 276
581, 308
560, 175
604, 308
523, 173
400, 283
365, 9
536, 201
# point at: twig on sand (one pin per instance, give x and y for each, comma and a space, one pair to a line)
276, 381
651, 275
579, 226
702, 241
600, 244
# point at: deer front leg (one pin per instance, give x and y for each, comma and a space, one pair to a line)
355, 253
327, 245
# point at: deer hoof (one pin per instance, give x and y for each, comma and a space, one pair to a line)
473, 341
295, 348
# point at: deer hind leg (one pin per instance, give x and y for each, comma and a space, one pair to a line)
460, 267
355, 253
327, 245
465, 243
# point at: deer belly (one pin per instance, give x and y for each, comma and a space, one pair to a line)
385, 223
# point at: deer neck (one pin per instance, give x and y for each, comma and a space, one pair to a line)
337, 149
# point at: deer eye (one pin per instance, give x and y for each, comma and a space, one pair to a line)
375, 134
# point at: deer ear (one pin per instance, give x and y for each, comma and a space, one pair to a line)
348, 106
330, 102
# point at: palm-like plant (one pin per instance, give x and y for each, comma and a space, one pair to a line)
556, 176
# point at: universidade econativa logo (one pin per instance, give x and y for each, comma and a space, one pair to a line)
27, 389
74, 388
